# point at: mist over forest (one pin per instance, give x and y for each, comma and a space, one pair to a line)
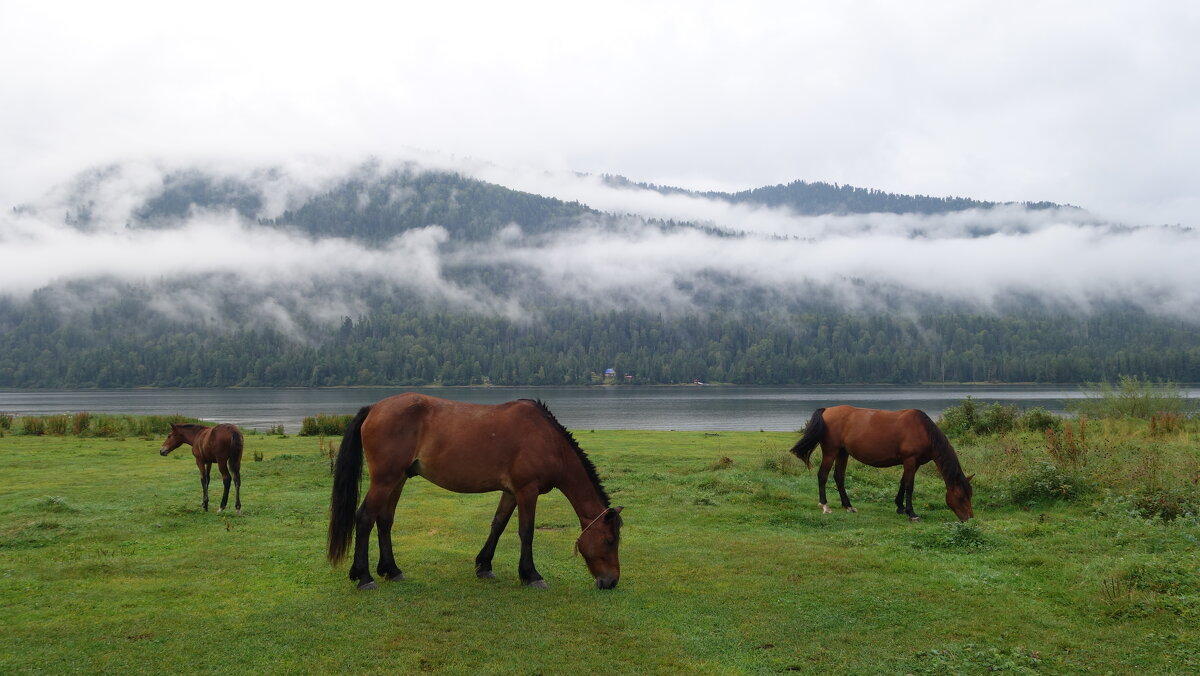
399, 273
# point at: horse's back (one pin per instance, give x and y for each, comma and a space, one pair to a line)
459, 446
220, 442
877, 437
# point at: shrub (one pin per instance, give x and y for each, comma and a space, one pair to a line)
324, 424
81, 423
785, 464
971, 417
1038, 419
6, 421
33, 425
1166, 504
1067, 448
1132, 397
1045, 482
953, 536
58, 424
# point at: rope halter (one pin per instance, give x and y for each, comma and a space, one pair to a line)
585, 528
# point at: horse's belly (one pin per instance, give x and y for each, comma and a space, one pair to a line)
459, 482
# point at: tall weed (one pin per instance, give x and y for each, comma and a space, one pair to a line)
1132, 397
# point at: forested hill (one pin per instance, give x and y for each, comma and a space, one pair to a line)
395, 275
369, 205
818, 198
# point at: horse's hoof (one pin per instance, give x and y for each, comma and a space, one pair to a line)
826, 510
370, 584
538, 584
485, 575
398, 576
851, 510
914, 518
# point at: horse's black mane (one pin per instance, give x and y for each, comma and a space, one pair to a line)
946, 458
192, 426
583, 458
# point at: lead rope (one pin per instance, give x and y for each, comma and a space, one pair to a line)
585, 528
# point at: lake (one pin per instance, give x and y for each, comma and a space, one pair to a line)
618, 407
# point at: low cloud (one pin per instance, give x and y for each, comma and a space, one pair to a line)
982, 258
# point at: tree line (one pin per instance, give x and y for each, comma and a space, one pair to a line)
126, 344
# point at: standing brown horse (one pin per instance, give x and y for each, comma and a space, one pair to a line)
221, 444
517, 448
884, 439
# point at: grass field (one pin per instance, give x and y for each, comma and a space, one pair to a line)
107, 565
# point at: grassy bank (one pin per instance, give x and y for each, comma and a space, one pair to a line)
108, 565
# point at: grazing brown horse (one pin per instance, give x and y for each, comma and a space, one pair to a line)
221, 444
884, 439
517, 448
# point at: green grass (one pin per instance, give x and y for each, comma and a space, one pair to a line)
107, 565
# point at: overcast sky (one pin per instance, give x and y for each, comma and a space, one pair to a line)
1092, 103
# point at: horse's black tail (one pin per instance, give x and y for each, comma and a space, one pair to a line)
347, 473
236, 446
944, 456
813, 432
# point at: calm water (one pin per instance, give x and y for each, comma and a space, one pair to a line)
646, 408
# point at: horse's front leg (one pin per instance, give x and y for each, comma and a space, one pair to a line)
839, 477
483, 562
823, 476
526, 508
387, 560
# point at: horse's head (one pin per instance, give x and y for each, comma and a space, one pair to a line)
598, 543
958, 498
174, 440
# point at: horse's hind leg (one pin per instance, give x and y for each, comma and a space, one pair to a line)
483, 562
225, 480
823, 476
366, 517
387, 560
236, 468
839, 477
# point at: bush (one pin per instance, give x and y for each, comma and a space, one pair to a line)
6, 421
953, 536
58, 424
1038, 419
82, 422
33, 425
1132, 397
971, 417
1045, 482
325, 425
1167, 504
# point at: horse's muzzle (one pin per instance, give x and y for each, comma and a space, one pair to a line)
606, 582
164, 451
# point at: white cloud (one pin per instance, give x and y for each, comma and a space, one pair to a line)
1068, 257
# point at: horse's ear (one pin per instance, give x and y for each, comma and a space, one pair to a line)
616, 510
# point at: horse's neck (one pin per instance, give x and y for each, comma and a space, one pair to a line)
191, 437
940, 463
582, 494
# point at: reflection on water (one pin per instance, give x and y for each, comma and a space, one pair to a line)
620, 407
